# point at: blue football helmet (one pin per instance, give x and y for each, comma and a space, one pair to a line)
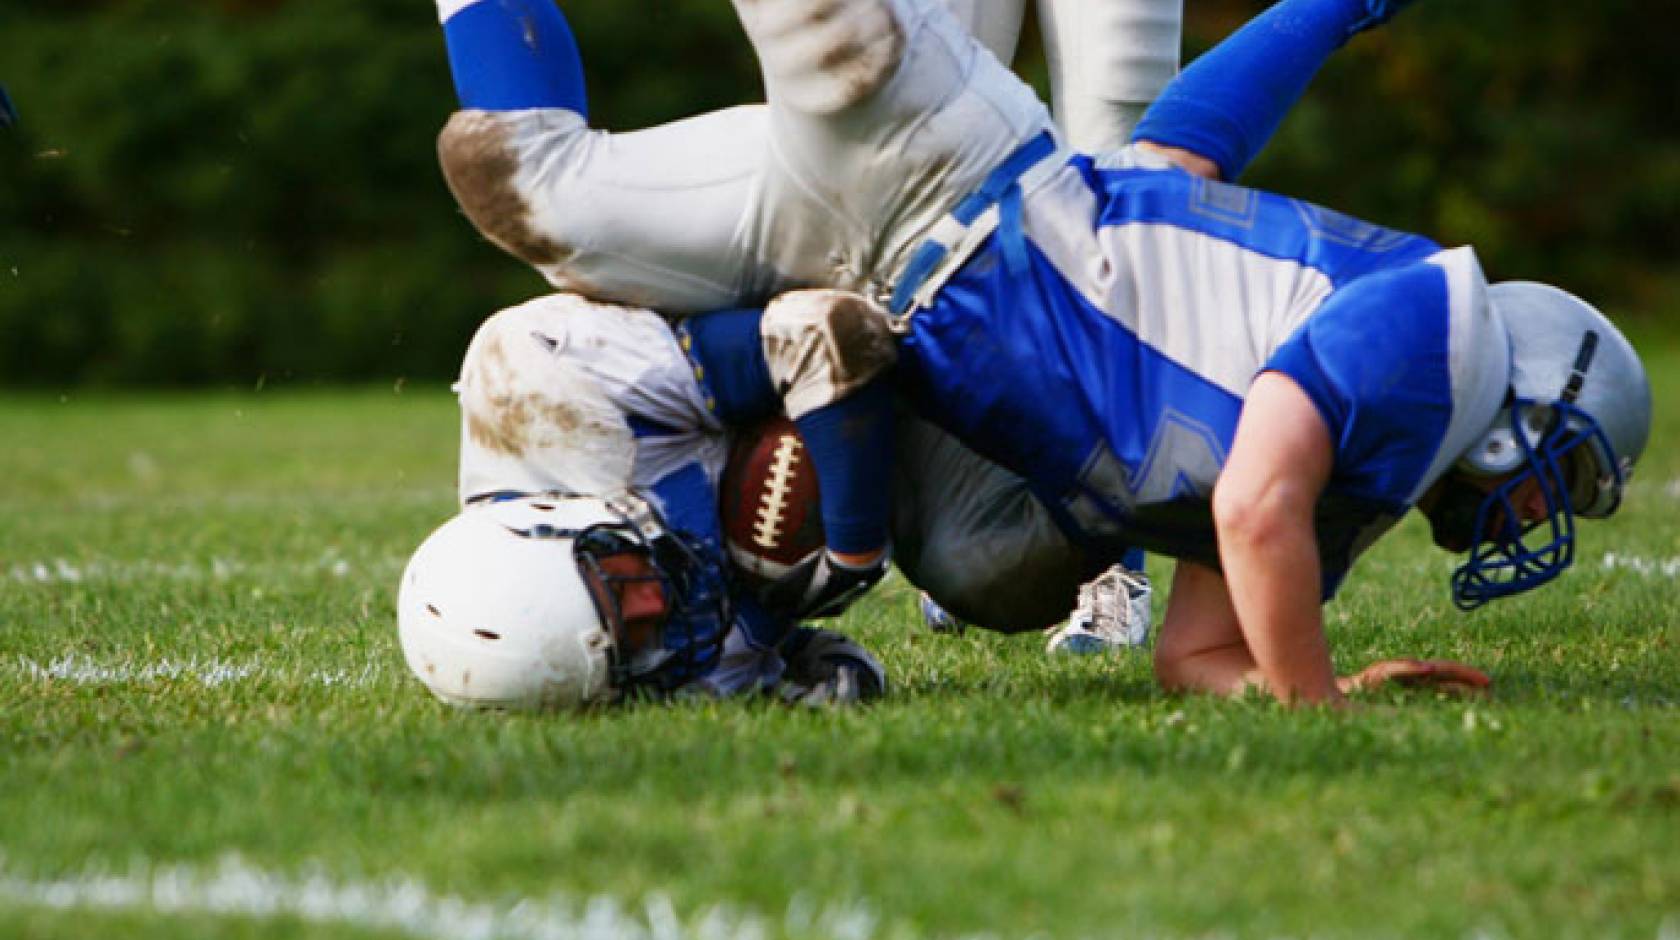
1576, 419
526, 602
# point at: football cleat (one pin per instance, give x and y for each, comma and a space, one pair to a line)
1113, 613
937, 618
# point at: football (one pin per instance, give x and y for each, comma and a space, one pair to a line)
771, 516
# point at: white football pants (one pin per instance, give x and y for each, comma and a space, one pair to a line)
881, 115
1108, 59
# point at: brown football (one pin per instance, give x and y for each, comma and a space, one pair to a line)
771, 516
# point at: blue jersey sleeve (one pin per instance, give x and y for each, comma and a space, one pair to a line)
1374, 360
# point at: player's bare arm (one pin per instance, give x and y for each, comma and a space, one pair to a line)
1261, 623
1201, 648
1263, 508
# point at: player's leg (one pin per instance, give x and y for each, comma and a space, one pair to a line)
1108, 59
884, 114
971, 535
996, 23
593, 211
1228, 103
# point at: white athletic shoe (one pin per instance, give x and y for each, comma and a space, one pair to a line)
1113, 613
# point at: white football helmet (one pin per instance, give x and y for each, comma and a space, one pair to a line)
516, 603
1576, 419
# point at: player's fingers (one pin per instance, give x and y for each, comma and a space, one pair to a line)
1379, 672
1447, 672
1396, 670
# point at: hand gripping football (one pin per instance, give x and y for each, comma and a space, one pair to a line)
771, 516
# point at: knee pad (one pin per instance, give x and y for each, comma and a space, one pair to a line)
821, 345
823, 56
481, 165
532, 419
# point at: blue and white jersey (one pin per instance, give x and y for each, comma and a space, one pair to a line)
1109, 365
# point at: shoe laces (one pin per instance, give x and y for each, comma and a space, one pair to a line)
1104, 601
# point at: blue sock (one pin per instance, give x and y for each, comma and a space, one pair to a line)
1230, 101
1132, 559
509, 55
851, 446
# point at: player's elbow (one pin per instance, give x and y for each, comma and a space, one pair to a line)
481, 166
1259, 514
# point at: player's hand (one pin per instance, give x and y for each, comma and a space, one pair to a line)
821, 586
1442, 674
829, 668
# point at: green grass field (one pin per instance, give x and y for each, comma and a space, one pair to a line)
206, 730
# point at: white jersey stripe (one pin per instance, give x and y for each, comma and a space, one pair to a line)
1149, 277
1479, 360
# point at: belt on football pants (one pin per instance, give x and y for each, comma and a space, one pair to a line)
970, 221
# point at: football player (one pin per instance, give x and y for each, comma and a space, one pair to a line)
586, 563
1253, 385
1097, 326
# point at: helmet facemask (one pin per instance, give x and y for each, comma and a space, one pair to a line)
1576, 417
660, 649
1566, 454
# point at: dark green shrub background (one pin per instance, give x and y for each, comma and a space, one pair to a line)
233, 192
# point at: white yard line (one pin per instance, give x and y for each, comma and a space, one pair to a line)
1642, 565
397, 495
49, 571
235, 888
212, 672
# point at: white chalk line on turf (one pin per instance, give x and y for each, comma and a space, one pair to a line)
1641, 565
53, 571
211, 673
234, 888
442, 497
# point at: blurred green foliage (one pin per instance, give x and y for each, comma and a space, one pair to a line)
246, 190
